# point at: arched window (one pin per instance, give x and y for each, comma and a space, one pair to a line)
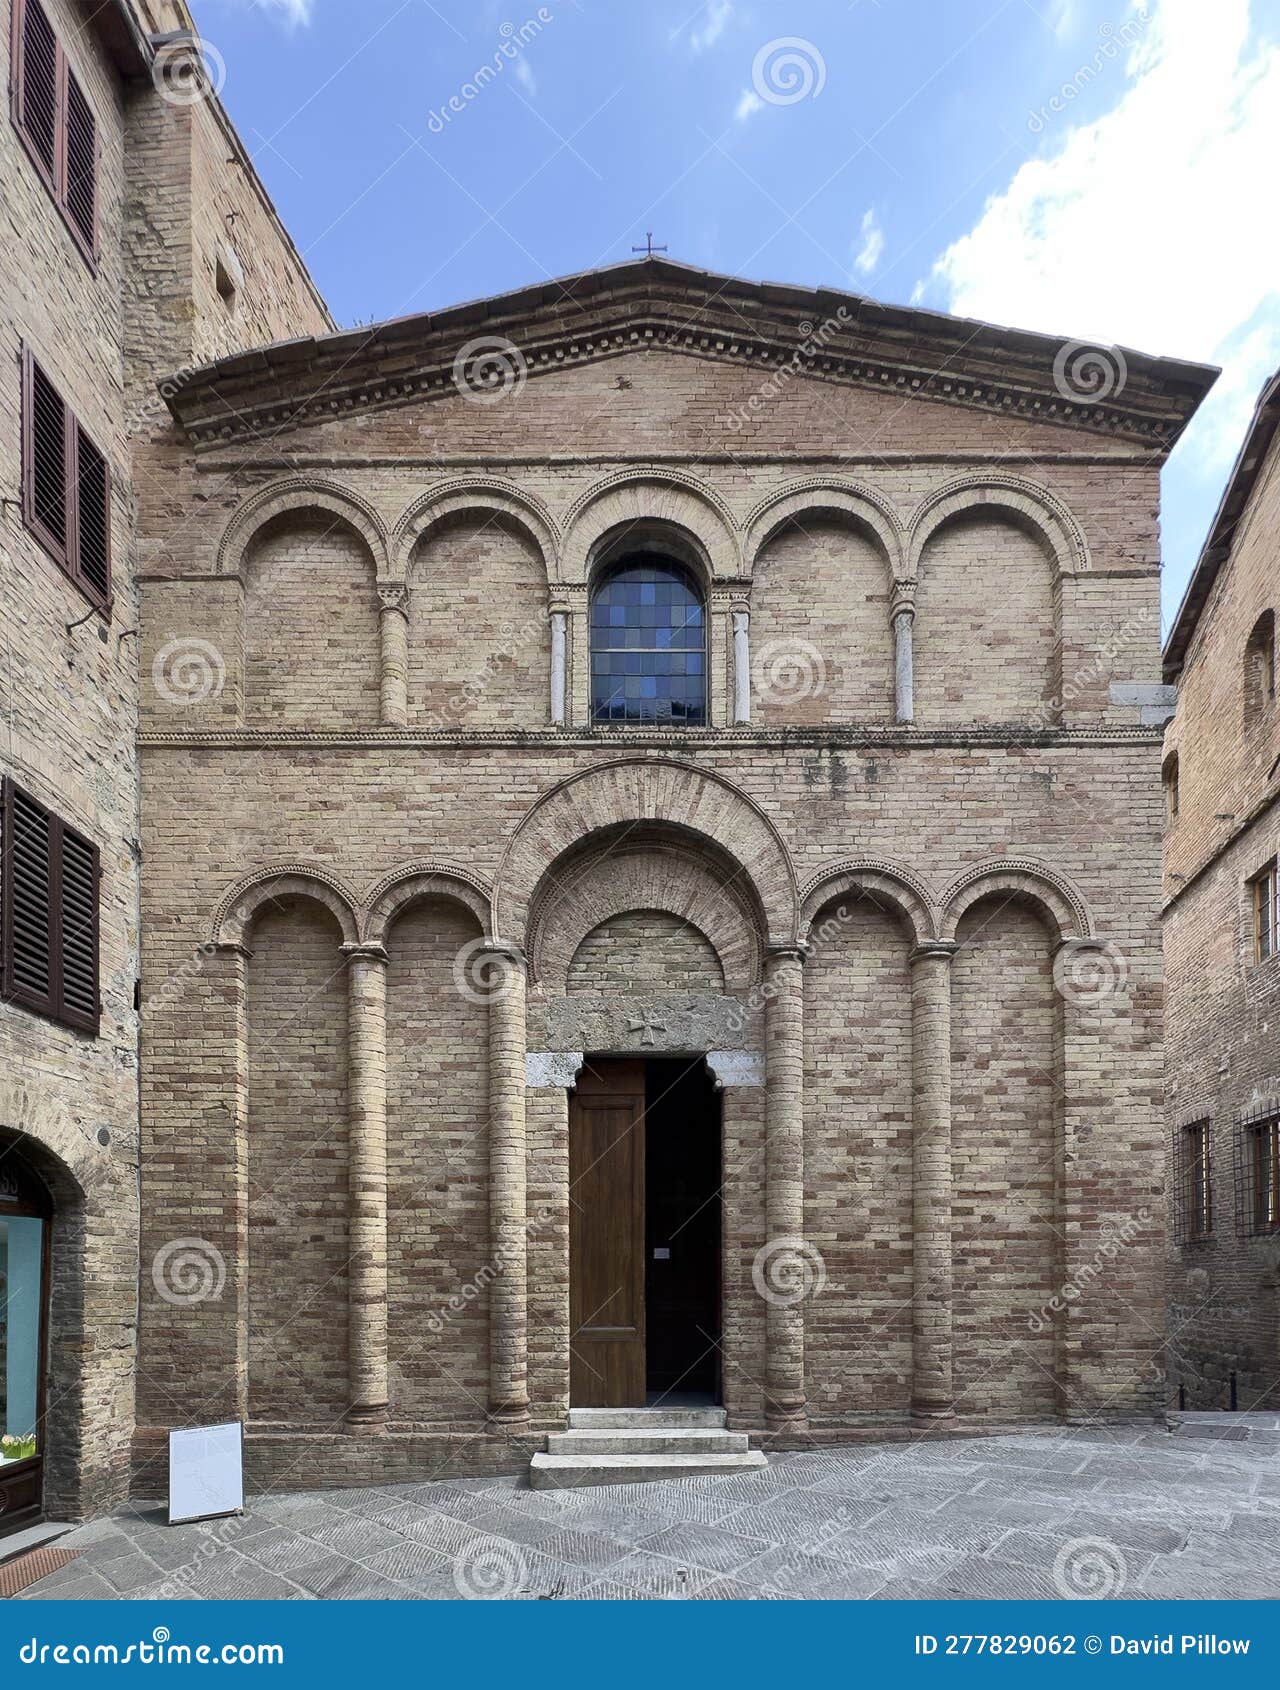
1169, 774
1260, 670
648, 645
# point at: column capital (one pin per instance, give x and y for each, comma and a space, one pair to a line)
786, 953
514, 954
365, 951
231, 948
394, 595
934, 950
903, 601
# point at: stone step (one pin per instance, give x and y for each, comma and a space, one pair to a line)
642, 1419
570, 1472
647, 1440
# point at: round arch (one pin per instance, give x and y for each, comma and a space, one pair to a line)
1027, 504
301, 493
1059, 900
649, 502
239, 907
416, 881
818, 497
884, 882
656, 792
479, 496
671, 875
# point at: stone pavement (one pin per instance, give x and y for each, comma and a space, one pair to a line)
1120, 1512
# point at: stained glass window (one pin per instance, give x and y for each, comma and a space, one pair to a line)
649, 646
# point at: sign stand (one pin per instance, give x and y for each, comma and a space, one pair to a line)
206, 1472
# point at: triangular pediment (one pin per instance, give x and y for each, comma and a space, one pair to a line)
777, 330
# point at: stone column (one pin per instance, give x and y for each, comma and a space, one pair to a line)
784, 1186
367, 1184
741, 667
394, 625
903, 616
225, 1045
932, 1395
559, 667
504, 969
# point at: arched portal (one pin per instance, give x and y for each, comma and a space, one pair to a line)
26, 1234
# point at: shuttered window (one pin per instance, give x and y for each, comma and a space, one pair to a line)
48, 913
56, 121
81, 164
66, 485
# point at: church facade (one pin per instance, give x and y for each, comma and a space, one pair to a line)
651, 824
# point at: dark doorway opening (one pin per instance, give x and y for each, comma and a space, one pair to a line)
644, 1233
682, 1231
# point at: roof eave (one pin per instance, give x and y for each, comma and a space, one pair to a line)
1221, 536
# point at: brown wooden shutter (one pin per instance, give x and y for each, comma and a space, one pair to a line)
38, 106
49, 903
45, 429
28, 927
77, 922
81, 190
93, 513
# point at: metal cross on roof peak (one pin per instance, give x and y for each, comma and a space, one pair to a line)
648, 249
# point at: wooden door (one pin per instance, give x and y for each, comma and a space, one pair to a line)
606, 1236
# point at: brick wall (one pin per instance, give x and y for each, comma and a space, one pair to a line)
1223, 1020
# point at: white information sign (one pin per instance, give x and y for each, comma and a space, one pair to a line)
206, 1472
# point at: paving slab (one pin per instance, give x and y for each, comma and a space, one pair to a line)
963, 1519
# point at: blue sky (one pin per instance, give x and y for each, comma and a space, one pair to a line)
1090, 168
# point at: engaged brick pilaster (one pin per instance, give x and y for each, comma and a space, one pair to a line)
508, 1218
367, 1176
395, 656
932, 1394
232, 962
784, 1160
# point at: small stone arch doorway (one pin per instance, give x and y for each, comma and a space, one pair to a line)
26, 1217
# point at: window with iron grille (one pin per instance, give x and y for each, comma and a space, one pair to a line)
1264, 895
49, 879
56, 122
1193, 1182
1258, 1169
66, 487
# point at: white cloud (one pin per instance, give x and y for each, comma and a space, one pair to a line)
712, 20
748, 105
1062, 18
872, 249
1154, 225
293, 12
525, 77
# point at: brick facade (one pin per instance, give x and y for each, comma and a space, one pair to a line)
1223, 1006
104, 334
920, 948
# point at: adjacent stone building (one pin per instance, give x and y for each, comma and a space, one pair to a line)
138, 242
1222, 958
652, 827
